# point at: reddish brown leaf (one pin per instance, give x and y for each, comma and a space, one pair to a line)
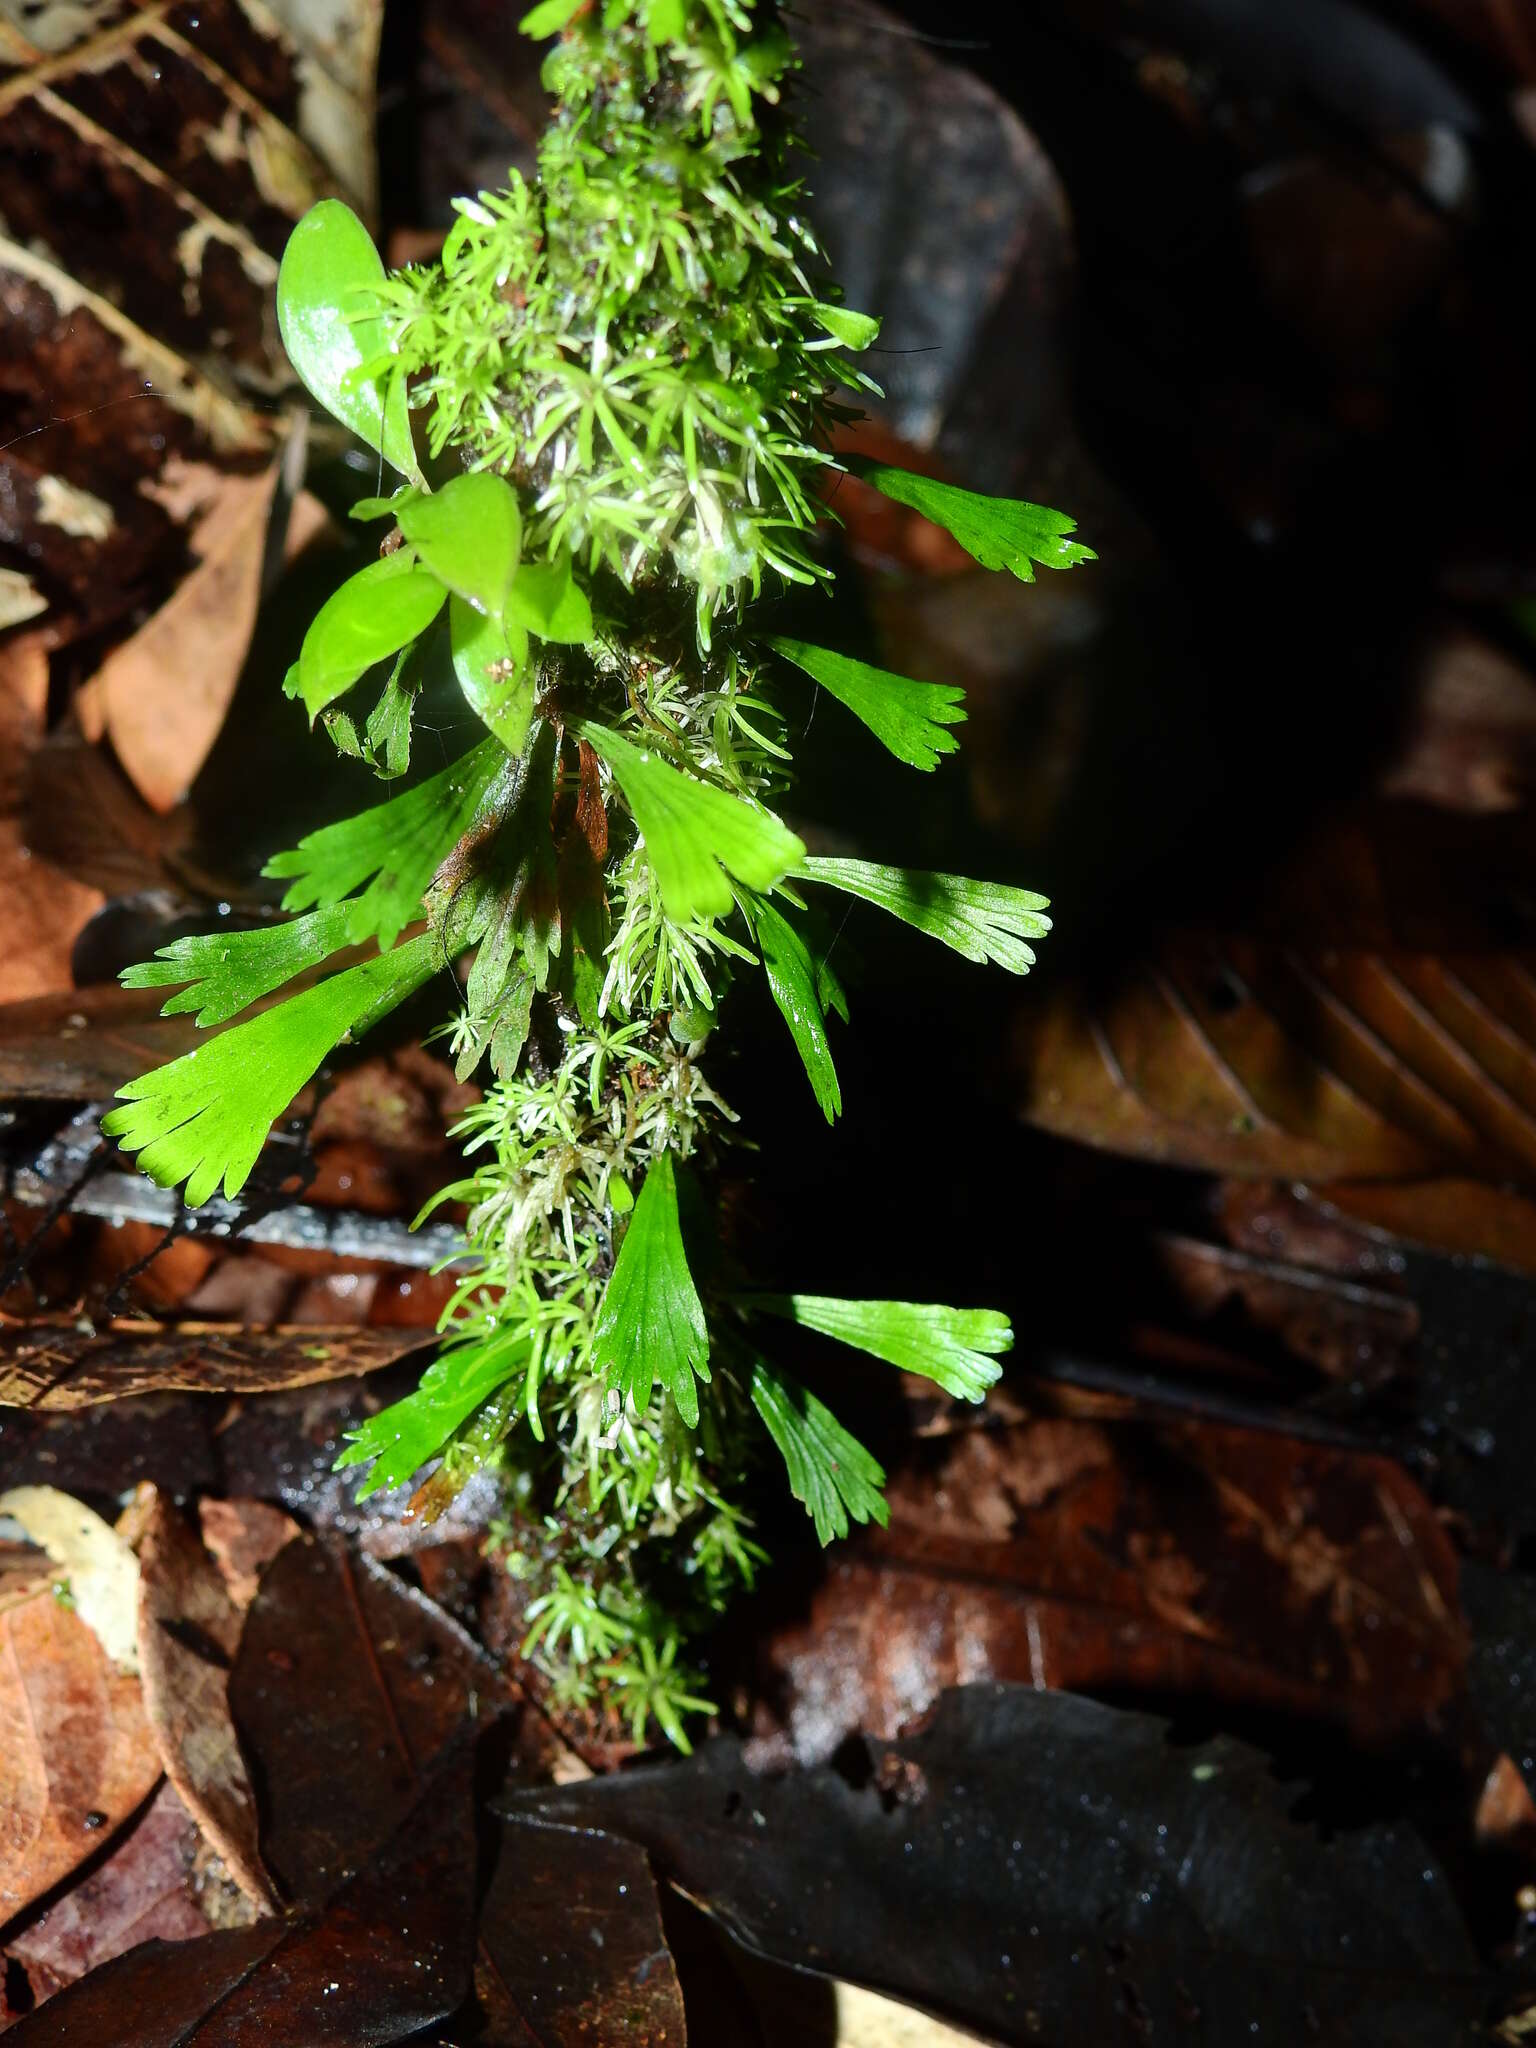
1247, 1059
591, 814
149, 1889
388, 1956
54, 1364
189, 1630
571, 1945
76, 1753
347, 1685
1171, 1560
242, 1537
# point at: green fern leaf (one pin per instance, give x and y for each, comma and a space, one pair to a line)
401, 1438
1002, 533
953, 1347
829, 1471
695, 834
651, 1325
228, 971
204, 1117
795, 984
981, 920
395, 849
907, 716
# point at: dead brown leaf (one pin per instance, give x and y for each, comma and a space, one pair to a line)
1162, 1559
242, 1537
154, 1886
57, 1364
76, 1753
189, 1630
1255, 1060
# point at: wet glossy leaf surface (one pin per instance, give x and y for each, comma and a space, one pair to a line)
1058, 1867
345, 1689
387, 1955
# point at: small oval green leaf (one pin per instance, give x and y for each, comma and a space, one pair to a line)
468, 534
373, 615
850, 329
329, 271
547, 599
490, 659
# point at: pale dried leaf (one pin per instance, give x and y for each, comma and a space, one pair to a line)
166, 690
94, 1562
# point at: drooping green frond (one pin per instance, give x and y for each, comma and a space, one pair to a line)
695, 834
509, 909
204, 1117
953, 1347
829, 1470
796, 987
651, 1325
228, 971
400, 1439
907, 716
395, 849
981, 920
327, 283
1002, 533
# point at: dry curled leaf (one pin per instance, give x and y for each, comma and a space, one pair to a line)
346, 1687
188, 1633
58, 1364
387, 1956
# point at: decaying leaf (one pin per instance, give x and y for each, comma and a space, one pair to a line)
345, 1689
154, 161
91, 1559
1041, 1867
1241, 1058
150, 1888
76, 1754
388, 1955
57, 1364
75, 1045
1162, 1559
571, 1945
189, 1630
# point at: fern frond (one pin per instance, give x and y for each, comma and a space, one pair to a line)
953, 1347
1002, 533
829, 1471
228, 971
908, 717
651, 1325
396, 848
980, 920
204, 1117
695, 834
